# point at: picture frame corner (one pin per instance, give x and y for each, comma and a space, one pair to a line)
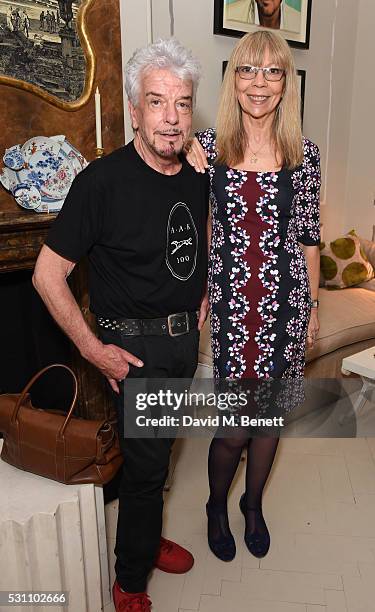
221, 27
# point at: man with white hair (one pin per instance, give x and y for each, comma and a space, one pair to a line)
140, 214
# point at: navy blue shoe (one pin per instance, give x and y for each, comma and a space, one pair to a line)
258, 542
223, 546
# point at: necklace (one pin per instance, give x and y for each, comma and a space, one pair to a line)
254, 158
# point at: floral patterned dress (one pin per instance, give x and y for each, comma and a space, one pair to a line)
258, 282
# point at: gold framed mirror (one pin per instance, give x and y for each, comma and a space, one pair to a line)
45, 49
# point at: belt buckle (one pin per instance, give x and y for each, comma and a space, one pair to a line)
185, 320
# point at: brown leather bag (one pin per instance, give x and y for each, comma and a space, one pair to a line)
55, 445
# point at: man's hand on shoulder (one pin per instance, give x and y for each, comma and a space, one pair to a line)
113, 362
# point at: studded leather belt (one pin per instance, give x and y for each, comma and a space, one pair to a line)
175, 324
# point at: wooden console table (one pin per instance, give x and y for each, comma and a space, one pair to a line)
22, 234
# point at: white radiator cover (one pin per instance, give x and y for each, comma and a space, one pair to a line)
53, 538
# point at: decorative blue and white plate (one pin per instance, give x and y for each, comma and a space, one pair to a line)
27, 196
48, 168
42, 143
70, 155
58, 185
42, 166
13, 158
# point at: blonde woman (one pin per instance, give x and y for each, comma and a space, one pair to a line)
264, 262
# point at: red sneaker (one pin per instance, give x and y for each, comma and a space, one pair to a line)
172, 558
130, 602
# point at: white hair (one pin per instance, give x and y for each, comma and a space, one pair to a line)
168, 54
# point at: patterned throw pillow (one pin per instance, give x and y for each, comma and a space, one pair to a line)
343, 263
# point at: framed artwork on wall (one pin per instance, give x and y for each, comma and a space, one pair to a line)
45, 49
301, 76
291, 18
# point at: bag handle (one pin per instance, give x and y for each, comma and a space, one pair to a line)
32, 381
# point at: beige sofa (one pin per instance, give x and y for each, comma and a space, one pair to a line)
347, 325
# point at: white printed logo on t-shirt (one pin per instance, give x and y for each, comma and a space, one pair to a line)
182, 242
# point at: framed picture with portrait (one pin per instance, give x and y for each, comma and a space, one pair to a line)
291, 18
301, 78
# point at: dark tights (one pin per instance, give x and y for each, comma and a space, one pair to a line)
223, 460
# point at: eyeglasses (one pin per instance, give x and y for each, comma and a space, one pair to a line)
250, 72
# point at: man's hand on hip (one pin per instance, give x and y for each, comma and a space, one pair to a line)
113, 362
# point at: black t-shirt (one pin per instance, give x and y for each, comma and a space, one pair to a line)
144, 233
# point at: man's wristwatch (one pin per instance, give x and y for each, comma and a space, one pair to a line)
314, 303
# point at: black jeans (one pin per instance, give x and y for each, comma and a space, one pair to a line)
146, 460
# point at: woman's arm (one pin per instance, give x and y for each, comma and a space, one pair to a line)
312, 256
307, 213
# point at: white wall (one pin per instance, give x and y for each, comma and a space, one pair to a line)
360, 185
333, 115
329, 65
136, 32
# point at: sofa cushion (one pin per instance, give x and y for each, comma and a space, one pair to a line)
345, 317
369, 285
344, 263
